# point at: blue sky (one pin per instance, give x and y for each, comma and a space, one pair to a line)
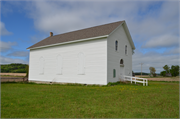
154, 26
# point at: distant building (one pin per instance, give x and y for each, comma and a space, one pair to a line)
168, 74
95, 55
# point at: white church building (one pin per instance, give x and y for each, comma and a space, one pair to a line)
95, 55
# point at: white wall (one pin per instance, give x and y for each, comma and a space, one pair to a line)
95, 63
115, 56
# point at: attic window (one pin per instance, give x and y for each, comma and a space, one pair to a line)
116, 45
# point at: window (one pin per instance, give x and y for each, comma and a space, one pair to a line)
59, 64
41, 65
121, 61
81, 63
126, 49
114, 73
116, 45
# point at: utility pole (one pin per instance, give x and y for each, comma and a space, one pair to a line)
141, 68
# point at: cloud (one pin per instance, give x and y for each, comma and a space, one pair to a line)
6, 60
67, 16
166, 40
173, 51
37, 38
6, 46
6, 8
145, 19
153, 59
162, 18
3, 30
19, 54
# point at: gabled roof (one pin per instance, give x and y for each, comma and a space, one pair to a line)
79, 34
91, 32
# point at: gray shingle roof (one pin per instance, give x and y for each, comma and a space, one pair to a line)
96, 31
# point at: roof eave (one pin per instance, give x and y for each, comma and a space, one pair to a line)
80, 40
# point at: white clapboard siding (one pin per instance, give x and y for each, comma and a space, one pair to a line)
113, 59
81, 62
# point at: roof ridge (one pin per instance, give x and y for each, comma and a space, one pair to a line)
90, 32
88, 28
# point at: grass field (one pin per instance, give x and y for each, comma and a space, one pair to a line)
158, 100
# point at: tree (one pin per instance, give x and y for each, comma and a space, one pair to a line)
163, 73
174, 70
27, 70
152, 71
166, 68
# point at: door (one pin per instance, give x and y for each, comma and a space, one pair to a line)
121, 69
121, 73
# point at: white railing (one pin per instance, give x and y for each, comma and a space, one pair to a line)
136, 80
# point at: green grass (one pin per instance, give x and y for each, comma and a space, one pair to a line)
158, 100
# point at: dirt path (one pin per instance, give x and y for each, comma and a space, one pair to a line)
163, 79
14, 74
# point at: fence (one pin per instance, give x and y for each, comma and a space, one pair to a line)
136, 80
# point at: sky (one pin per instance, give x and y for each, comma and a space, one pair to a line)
153, 25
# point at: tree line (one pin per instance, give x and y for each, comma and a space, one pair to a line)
14, 68
173, 71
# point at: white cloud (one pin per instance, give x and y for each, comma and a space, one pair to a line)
6, 8
153, 59
6, 60
19, 54
6, 46
67, 16
3, 30
145, 19
37, 38
166, 40
173, 51
157, 22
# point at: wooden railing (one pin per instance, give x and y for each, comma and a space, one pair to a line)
136, 80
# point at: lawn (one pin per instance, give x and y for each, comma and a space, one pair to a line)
158, 100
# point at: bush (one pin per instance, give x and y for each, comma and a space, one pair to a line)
174, 70
163, 73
